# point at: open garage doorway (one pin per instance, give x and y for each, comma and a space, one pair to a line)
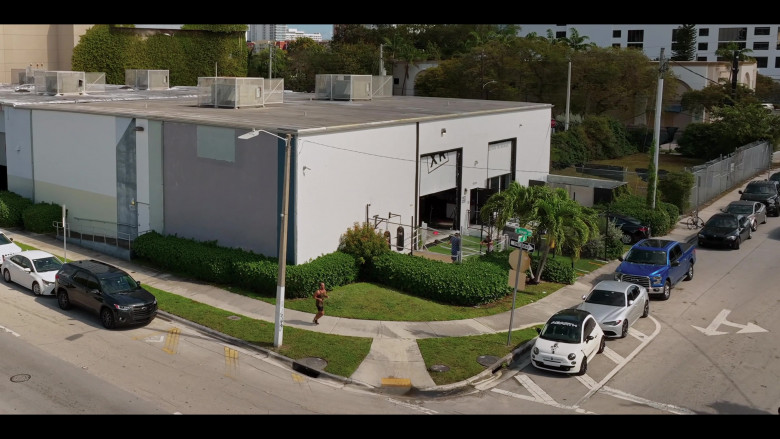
440, 190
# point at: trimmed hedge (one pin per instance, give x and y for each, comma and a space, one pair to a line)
40, 218
208, 262
12, 205
472, 283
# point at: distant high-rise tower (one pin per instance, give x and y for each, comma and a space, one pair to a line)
260, 32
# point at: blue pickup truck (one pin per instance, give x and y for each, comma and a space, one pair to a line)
658, 265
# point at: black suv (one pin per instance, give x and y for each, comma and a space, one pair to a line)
764, 191
105, 290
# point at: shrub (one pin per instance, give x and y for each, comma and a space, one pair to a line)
11, 207
363, 242
40, 218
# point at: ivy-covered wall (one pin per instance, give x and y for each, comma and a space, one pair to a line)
189, 53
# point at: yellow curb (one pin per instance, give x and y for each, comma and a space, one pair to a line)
396, 382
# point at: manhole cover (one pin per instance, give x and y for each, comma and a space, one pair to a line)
439, 368
234, 318
22, 377
487, 360
313, 362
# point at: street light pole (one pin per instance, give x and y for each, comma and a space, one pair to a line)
483, 87
279, 319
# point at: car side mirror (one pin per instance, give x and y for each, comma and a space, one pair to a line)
539, 331
620, 258
630, 302
740, 191
675, 263
584, 296
94, 291
589, 338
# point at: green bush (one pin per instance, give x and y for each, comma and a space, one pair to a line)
555, 270
40, 217
675, 189
661, 220
11, 207
363, 242
474, 282
594, 249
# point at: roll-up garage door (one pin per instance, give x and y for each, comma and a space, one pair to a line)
438, 172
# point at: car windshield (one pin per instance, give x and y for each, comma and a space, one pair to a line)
47, 264
740, 208
758, 189
723, 221
118, 284
561, 330
606, 297
4, 239
640, 256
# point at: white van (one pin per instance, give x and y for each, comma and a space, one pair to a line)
7, 246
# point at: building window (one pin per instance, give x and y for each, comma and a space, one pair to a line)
702, 46
761, 62
616, 34
704, 32
636, 36
701, 58
560, 34
732, 34
761, 45
777, 62
761, 31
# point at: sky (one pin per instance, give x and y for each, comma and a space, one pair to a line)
325, 29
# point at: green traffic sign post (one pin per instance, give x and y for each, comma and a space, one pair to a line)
523, 232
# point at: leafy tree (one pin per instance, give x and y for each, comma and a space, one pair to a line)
767, 89
258, 63
684, 49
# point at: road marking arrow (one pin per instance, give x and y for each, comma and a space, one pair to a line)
720, 319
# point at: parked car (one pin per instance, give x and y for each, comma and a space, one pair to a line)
755, 210
765, 191
33, 269
616, 305
567, 342
658, 265
725, 230
633, 229
105, 290
7, 246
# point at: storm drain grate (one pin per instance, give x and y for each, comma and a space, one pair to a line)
487, 360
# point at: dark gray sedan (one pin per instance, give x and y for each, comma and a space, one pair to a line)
725, 230
755, 210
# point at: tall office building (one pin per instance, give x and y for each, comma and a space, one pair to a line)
263, 32
763, 40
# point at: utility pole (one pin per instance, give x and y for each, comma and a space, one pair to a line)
270, 57
568, 98
734, 71
662, 65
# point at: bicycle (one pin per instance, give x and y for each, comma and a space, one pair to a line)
694, 221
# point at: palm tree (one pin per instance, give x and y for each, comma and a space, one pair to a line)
550, 212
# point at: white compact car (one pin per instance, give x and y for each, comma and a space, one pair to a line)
7, 246
567, 342
33, 269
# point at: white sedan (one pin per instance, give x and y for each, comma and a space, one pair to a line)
567, 342
616, 305
33, 269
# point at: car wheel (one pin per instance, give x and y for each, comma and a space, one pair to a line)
626, 239
667, 290
36, 289
602, 345
646, 311
584, 366
736, 244
63, 300
624, 329
6, 276
689, 274
107, 318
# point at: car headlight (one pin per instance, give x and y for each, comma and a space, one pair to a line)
731, 237
701, 236
656, 279
613, 322
122, 307
536, 350
572, 356
46, 283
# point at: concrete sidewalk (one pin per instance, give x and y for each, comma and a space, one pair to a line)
394, 356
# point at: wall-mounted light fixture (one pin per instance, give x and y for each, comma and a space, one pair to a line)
443, 132
139, 128
306, 168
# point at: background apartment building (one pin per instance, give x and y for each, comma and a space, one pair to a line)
763, 40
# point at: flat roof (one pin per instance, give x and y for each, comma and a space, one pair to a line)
299, 112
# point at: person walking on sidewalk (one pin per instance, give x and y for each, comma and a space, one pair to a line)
319, 298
